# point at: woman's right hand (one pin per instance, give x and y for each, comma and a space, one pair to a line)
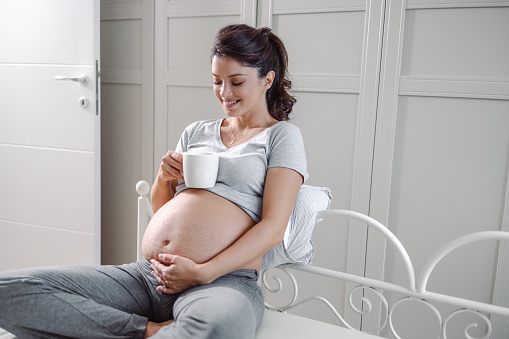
171, 166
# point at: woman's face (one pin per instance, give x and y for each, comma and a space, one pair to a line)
238, 87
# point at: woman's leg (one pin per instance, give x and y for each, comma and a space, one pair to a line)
230, 307
78, 301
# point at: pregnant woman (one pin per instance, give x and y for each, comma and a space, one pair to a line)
203, 248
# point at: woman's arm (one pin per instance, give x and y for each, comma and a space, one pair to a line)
164, 186
281, 188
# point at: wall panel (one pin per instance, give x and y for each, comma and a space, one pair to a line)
462, 42
124, 51
338, 36
184, 56
192, 104
127, 137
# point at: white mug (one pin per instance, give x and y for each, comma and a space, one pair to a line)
200, 169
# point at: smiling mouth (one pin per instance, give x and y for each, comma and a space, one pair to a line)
229, 104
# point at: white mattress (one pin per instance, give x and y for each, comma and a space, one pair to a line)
6, 335
280, 325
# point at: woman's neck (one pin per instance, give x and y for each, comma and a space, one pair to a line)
241, 123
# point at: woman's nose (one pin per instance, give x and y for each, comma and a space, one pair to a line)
225, 90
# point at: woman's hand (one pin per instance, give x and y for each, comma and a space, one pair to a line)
175, 273
171, 166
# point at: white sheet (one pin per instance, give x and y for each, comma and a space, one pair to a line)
284, 325
6, 335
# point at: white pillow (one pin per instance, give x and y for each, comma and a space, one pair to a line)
297, 246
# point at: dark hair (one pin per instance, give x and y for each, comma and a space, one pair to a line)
264, 51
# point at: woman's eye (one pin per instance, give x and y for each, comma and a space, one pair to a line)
237, 83
217, 82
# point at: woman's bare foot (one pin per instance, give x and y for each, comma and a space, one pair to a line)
152, 327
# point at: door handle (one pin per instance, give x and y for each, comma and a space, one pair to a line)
82, 79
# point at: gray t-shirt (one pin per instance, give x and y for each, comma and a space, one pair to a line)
242, 168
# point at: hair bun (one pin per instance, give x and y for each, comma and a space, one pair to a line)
265, 30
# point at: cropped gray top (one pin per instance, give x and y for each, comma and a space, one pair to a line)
242, 168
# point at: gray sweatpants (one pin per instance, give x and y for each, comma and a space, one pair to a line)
96, 302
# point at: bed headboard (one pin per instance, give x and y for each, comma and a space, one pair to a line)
414, 290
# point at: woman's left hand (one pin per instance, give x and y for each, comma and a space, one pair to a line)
175, 273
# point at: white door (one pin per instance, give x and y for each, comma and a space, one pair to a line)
49, 133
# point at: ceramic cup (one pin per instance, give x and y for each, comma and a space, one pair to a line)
200, 169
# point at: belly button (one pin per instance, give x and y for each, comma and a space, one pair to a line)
166, 242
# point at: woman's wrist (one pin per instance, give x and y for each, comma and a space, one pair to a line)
164, 185
161, 178
206, 273
161, 193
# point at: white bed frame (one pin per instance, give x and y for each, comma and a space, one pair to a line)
279, 324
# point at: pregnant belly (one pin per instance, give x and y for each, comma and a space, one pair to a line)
196, 224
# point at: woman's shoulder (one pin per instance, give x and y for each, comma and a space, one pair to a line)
285, 128
285, 135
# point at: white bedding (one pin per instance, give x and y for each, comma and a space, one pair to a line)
284, 325
6, 335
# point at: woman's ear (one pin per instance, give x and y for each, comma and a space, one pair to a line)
269, 79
